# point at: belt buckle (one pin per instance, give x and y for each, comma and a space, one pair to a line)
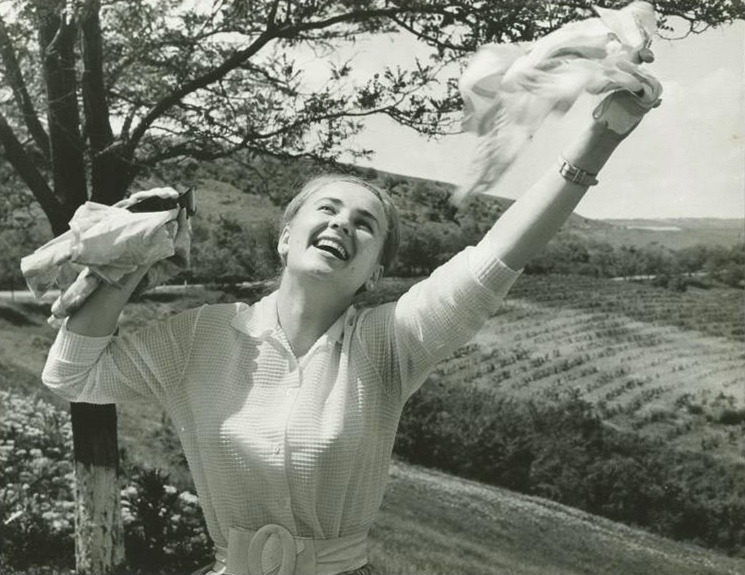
257, 547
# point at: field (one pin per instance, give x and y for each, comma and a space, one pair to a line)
666, 364
674, 233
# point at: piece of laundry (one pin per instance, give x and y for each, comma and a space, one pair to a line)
508, 91
104, 243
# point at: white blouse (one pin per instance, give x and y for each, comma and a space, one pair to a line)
270, 440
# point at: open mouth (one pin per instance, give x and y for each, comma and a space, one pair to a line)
332, 247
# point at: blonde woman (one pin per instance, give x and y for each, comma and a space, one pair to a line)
287, 409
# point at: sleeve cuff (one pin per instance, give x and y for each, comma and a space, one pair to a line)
78, 348
490, 271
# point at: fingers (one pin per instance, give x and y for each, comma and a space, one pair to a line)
166, 193
75, 295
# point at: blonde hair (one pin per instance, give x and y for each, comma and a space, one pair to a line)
393, 226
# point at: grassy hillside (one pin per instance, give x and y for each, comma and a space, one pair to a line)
434, 524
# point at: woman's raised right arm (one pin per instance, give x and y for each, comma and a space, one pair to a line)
98, 316
86, 363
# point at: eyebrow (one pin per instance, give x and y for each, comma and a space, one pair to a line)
338, 202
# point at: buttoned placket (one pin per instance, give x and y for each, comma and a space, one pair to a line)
288, 395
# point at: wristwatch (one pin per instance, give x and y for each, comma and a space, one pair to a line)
576, 175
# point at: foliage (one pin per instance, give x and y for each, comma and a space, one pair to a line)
36, 482
569, 253
164, 528
229, 252
564, 452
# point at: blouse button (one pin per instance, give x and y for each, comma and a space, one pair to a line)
277, 450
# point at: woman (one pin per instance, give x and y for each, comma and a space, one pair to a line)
287, 409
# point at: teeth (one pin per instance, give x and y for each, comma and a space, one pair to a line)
336, 247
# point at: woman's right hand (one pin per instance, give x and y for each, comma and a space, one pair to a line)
97, 315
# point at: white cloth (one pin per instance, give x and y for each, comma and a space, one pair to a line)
103, 243
273, 440
508, 92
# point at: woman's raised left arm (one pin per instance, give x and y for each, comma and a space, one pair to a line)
444, 311
538, 214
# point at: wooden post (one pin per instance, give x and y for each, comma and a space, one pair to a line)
99, 541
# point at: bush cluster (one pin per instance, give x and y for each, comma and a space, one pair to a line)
565, 452
36, 482
164, 528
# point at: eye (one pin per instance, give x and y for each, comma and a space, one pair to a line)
327, 209
365, 225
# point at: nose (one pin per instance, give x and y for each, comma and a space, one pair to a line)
340, 222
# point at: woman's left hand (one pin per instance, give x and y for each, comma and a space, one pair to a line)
622, 110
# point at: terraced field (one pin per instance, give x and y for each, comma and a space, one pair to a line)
663, 363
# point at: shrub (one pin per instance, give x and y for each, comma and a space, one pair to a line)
564, 452
36, 482
164, 529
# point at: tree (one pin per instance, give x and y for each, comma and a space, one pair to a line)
96, 91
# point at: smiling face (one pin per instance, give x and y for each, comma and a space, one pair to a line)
337, 234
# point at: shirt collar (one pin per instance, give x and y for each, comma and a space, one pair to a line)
260, 320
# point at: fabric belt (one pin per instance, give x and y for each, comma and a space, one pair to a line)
273, 550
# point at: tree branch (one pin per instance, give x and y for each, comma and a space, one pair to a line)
96, 108
108, 170
212, 76
239, 57
28, 172
20, 93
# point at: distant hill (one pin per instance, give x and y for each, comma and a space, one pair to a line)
252, 193
225, 188
674, 233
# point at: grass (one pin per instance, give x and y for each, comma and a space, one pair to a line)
435, 524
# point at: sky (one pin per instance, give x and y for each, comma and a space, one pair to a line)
686, 159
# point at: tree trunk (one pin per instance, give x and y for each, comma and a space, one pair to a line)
111, 173
57, 39
99, 537
99, 547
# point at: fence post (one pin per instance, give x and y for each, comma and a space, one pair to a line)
99, 536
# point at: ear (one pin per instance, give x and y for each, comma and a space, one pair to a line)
283, 244
373, 280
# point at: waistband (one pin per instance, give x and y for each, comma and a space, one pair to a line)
273, 550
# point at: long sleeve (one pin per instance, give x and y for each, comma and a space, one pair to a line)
112, 369
436, 316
